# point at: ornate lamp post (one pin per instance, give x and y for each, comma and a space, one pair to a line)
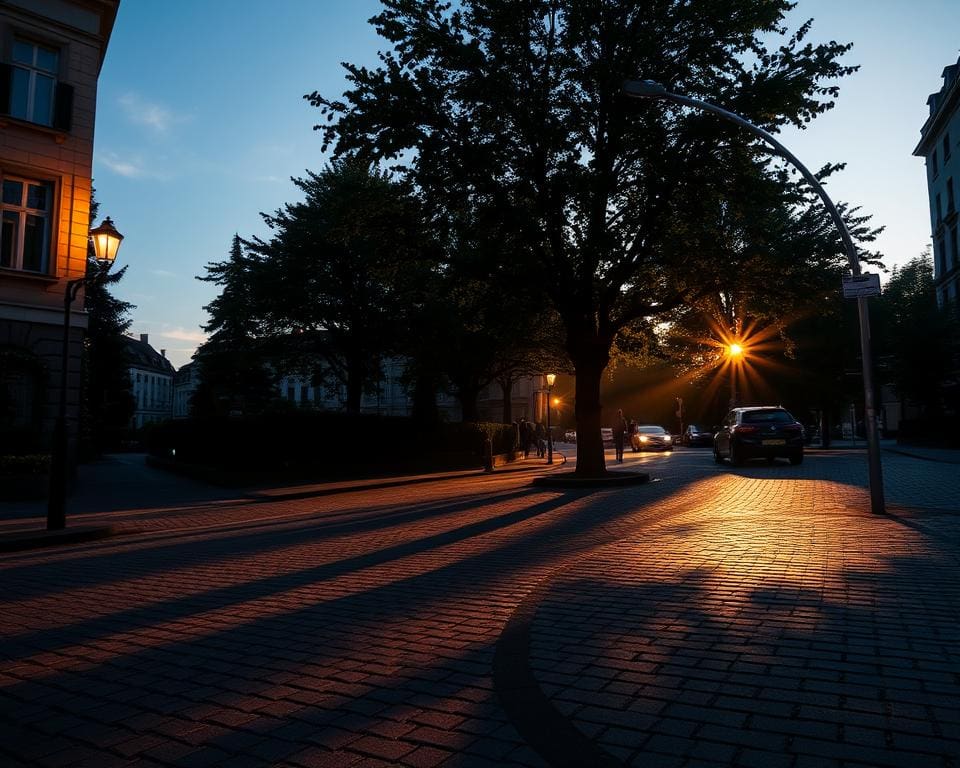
551, 380
106, 242
648, 89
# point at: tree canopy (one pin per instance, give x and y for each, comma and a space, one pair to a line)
514, 111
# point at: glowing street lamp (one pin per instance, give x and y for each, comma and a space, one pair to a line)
649, 89
551, 380
106, 243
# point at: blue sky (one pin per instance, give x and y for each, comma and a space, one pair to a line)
201, 123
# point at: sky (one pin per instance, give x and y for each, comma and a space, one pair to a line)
201, 123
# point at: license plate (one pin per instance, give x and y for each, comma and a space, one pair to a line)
773, 442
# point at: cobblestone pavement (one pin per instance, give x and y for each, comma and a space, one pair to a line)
758, 617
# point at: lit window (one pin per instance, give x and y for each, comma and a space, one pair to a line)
27, 218
33, 84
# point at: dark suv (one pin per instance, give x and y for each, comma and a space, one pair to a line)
760, 432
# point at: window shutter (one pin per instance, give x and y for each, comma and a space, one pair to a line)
6, 75
63, 107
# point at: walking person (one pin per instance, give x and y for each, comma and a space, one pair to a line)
619, 432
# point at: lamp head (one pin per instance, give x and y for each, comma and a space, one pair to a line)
551, 379
644, 89
106, 242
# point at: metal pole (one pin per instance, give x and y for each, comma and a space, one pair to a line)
549, 430
59, 463
648, 89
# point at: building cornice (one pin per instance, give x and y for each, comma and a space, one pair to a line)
948, 98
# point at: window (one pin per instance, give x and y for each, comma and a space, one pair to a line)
27, 223
933, 162
954, 256
941, 258
33, 82
951, 207
946, 145
939, 210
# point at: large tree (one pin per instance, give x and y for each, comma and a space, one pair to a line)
515, 109
328, 279
233, 367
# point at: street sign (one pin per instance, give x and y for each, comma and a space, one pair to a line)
857, 286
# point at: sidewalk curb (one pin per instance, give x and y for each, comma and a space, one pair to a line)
912, 455
19, 541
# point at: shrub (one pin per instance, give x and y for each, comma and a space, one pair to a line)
320, 440
31, 464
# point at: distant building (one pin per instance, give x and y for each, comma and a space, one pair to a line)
940, 136
50, 57
185, 382
151, 377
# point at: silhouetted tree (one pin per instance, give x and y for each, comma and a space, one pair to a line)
515, 109
233, 370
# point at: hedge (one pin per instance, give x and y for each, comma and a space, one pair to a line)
317, 440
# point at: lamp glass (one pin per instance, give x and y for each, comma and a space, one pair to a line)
551, 379
106, 241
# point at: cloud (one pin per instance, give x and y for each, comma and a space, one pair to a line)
163, 273
183, 334
155, 116
132, 169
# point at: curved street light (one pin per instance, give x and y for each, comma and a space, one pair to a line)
106, 243
649, 89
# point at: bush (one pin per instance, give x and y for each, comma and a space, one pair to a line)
32, 464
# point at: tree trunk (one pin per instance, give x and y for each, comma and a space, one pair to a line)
468, 404
354, 386
506, 386
425, 401
590, 356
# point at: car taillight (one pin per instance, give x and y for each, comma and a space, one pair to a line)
744, 428
793, 428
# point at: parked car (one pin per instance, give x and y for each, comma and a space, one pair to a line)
759, 432
649, 437
696, 434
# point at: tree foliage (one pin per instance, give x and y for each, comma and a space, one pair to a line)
919, 340
514, 111
107, 402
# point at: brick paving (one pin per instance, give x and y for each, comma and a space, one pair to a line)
758, 616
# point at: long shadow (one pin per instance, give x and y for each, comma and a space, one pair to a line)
229, 541
778, 669
25, 645
274, 645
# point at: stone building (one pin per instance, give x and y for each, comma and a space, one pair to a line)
940, 136
51, 52
151, 379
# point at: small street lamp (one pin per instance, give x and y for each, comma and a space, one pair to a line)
551, 380
649, 89
106, 243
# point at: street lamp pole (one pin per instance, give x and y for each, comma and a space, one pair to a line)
106, 241
649, 89
551, 380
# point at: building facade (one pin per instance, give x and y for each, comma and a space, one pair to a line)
185, 382
151, 378
939, 146
51, 52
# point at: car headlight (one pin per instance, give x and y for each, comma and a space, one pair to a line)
644, 439
668, 439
